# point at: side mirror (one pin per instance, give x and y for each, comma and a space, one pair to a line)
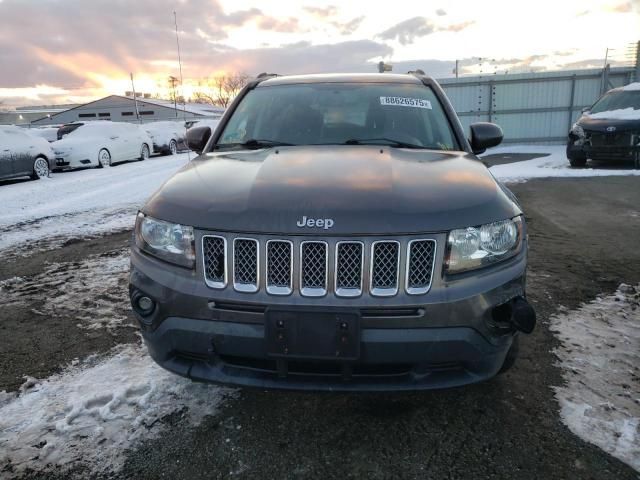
485, 135
197, 138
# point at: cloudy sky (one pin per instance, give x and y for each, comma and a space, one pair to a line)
59, 51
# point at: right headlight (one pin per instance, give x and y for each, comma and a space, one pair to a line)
170, 242
476, 247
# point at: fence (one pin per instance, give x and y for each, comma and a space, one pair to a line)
533, 107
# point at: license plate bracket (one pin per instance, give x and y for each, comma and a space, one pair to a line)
312, 335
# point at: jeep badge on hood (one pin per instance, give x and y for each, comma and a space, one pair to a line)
325, 223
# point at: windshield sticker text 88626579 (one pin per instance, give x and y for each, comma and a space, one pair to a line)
406, 102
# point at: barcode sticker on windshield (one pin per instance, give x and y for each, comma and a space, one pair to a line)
406, 102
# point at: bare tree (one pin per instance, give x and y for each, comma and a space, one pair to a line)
220, 90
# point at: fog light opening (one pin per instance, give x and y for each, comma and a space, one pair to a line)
145, 303
142, 304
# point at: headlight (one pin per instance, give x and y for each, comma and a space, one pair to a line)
171, 242
577, 130
476, 247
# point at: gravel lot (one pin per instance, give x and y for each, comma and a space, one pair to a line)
583, 242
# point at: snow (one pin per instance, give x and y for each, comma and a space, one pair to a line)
620, 114
203, 109
79, 203
600, 357
93, 411
50, 134
61, 289
553, 164
631, 87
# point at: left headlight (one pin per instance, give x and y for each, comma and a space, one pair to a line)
476, 247
171, 242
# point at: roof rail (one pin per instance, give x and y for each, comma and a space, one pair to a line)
267, 75
416, 72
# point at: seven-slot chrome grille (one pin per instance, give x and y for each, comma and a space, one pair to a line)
315, 268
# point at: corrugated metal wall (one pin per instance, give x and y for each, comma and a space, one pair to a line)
531, 107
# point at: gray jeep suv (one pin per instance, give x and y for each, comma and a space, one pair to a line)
336, 232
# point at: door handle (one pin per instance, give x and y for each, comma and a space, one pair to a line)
6, 150
113, 138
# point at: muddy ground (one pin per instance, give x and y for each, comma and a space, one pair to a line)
583, 241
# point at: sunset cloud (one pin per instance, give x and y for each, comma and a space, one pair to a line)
75, 49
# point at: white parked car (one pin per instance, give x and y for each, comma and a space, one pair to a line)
23, 155
100, 144
168, 137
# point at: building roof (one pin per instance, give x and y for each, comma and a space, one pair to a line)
194, 108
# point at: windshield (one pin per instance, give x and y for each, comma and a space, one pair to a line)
65, 130
340, 113
617, 101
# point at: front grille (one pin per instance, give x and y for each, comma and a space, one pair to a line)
611, 139
279, 267
349, 259
421, 261
313, 269
215, 261
377, 267
245, 265
384, 268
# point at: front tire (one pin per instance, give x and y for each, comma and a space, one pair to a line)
144, 152
40, 168
577, 159
173, 147
104, 158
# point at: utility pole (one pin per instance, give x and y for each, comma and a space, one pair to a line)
135, 98
173, 81
637, 73
457, 66
175, 21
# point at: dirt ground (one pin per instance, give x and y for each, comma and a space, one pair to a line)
583, 241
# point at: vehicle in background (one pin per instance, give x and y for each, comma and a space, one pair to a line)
50, 134
168, 137
609, 130
100, 144
23, 155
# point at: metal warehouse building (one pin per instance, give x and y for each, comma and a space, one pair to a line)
119, 108
532, 107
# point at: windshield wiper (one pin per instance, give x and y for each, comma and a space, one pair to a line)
388, 141
255, 143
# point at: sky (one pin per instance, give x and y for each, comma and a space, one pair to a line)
73, 51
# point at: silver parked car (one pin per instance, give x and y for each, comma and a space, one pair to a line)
23, 155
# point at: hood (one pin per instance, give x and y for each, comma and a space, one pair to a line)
361, 189
600, 125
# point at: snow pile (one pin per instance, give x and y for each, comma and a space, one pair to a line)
89, 414
631, 87
554, 163
600, 357
620, 114
61, 290
79, 203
